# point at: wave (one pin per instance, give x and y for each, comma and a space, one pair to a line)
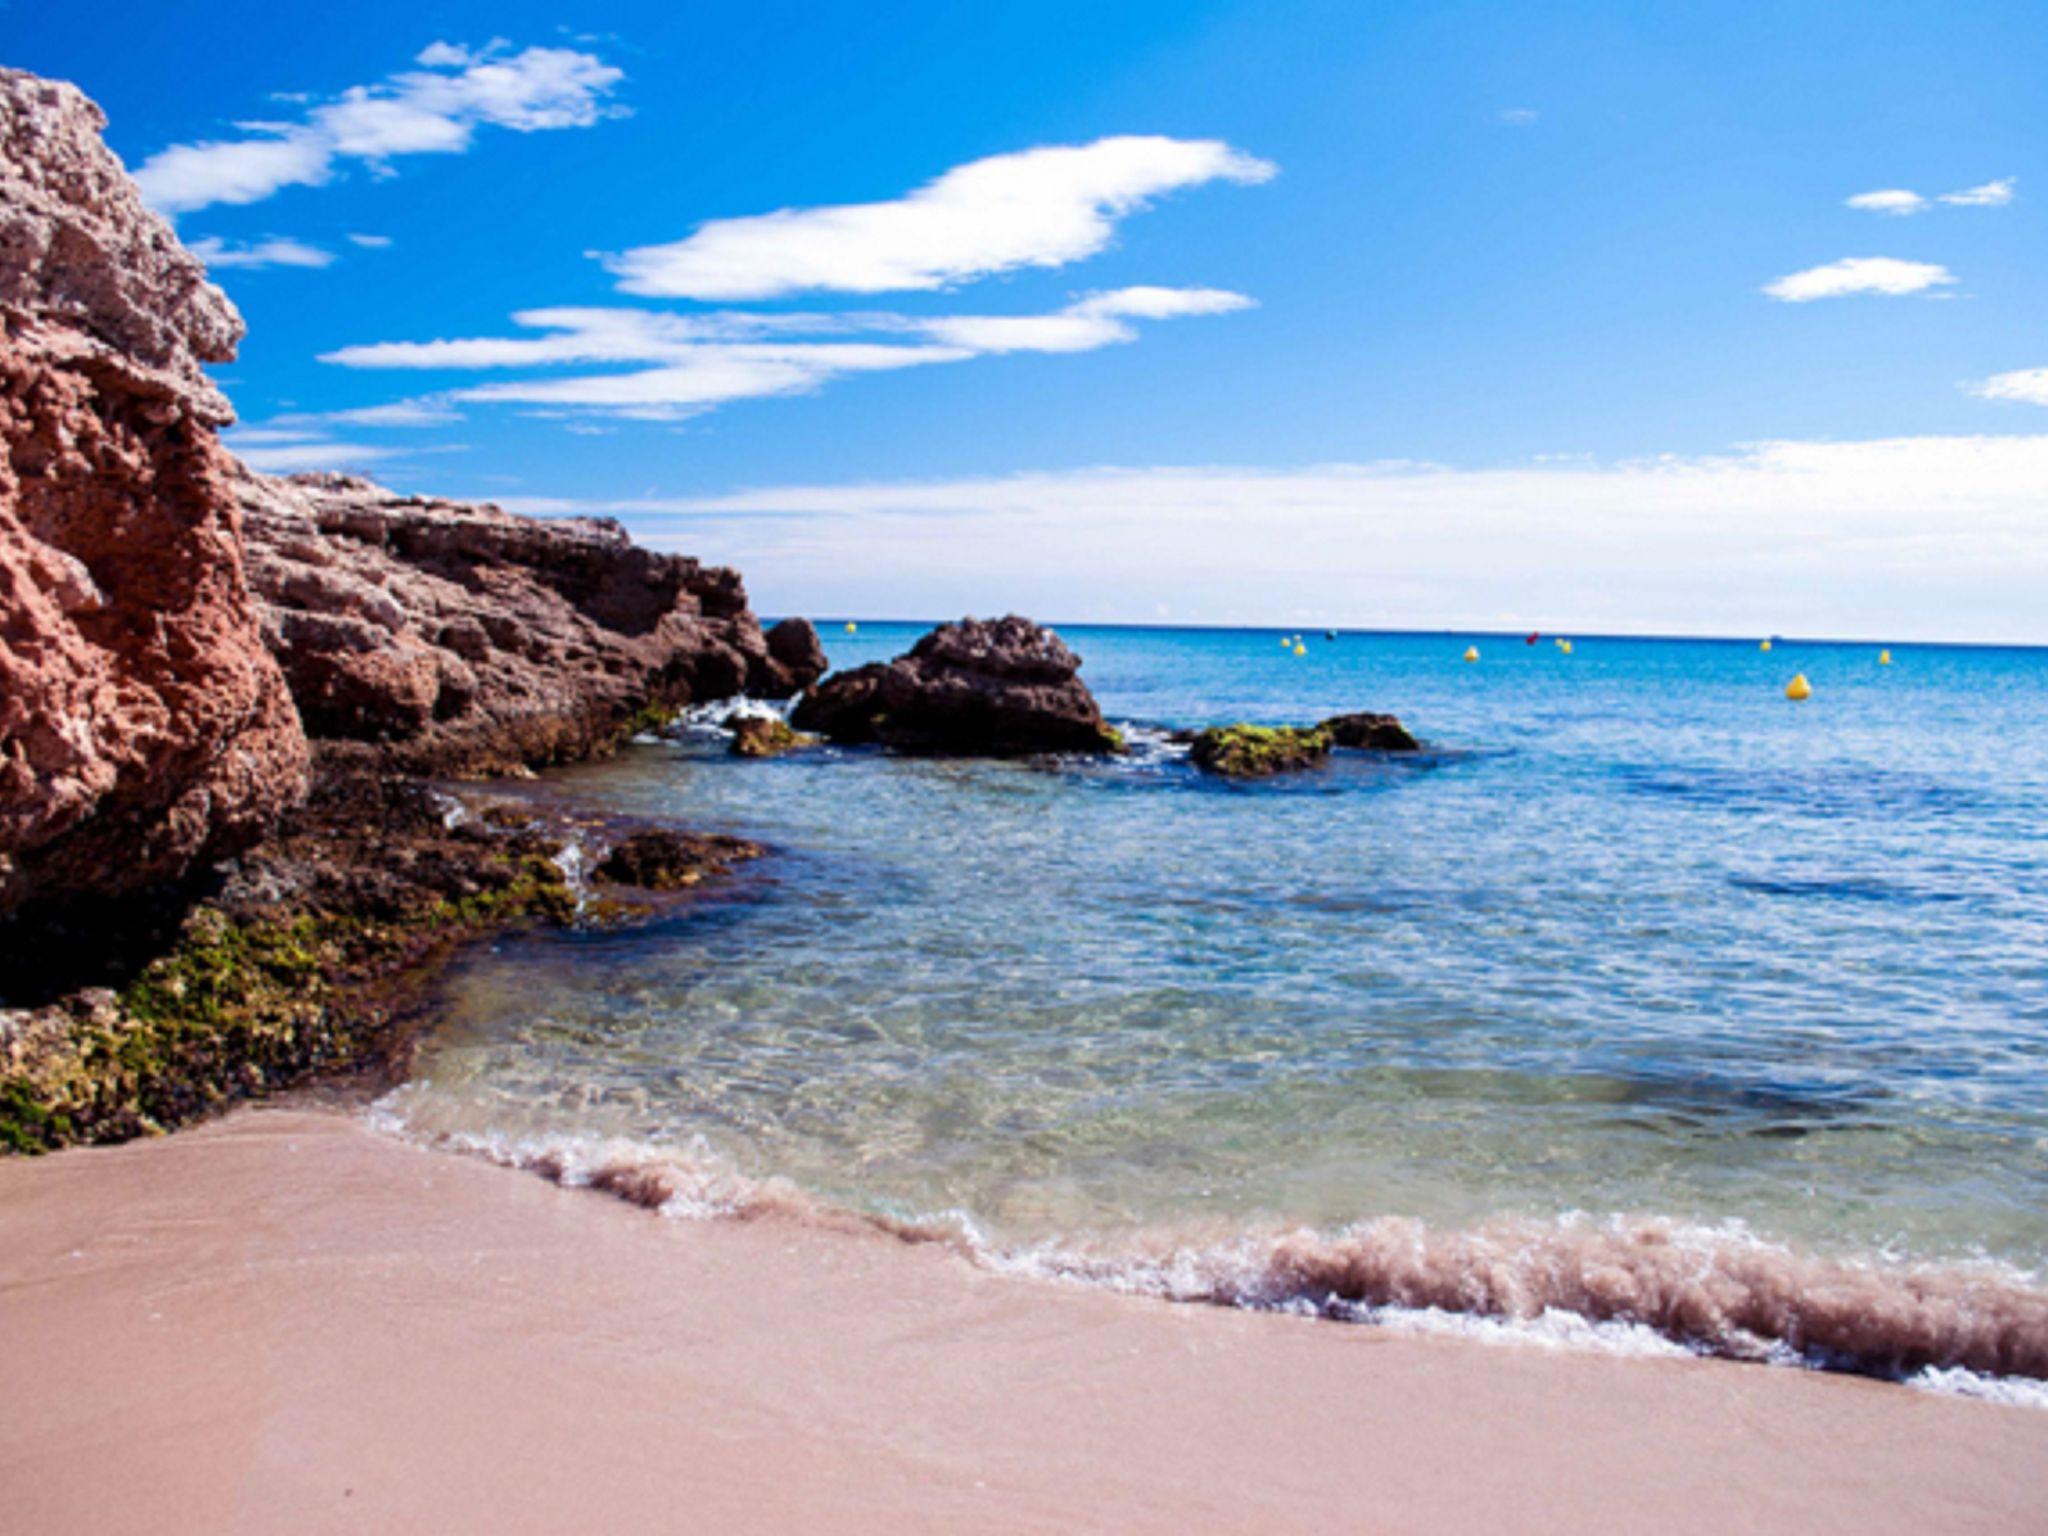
1637, 1285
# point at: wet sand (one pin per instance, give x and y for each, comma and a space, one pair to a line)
283, 1322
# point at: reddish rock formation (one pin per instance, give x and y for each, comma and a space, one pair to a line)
463, 640
981, 687
143, 726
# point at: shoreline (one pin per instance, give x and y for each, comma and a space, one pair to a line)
283, 1319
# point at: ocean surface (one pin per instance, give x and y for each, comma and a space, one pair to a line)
1643, 1001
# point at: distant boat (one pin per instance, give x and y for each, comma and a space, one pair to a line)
1329, 634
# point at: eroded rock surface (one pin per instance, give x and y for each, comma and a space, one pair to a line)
144, 727
462, 640
981, 687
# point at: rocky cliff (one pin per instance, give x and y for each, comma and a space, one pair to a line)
460, 640
173, 630
143, 725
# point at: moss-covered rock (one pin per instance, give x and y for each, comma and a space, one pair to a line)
1256, 751
240, 1006
766, 736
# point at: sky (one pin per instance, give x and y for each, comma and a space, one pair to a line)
1705, 318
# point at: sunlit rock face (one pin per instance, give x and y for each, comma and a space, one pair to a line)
144, 726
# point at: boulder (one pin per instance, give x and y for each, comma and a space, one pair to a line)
1369, 733
794, 643
456, 639
1258, 751
982, 688
144, 727
765, 736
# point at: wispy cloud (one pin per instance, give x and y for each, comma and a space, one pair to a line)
1859, 274
424, 412
1993, 194
285, 453
1899, 201
276, 251
703, 360
1931, 536
1896, 201
371, 242
434, 109
1519, 117
1036, 208
2029, 385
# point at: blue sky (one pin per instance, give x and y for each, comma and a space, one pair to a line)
1309, 312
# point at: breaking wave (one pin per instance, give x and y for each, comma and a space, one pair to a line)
1636, 1285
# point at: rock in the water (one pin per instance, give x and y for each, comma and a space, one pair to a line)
1369, 733
765, 736
462, 640
144, 727
981, 688
1257, 751
669, 861
795, 644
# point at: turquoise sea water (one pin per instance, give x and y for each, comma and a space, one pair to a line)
1635, 938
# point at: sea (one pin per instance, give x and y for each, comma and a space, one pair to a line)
1644, 1009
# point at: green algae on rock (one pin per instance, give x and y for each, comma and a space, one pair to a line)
766, 736
1257, 751
293, 968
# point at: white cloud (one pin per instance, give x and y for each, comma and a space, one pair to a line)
1095, 321
706, 359
1993, 194
2026, 384
1519, 117
1859, 274
1893, 200
432, 110
285, 453
371, 242
274, 252
424, 412
1933, 537
1899, 201
1036, 208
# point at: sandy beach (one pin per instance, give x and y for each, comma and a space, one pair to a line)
284, 1321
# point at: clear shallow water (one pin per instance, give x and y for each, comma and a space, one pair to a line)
1636, 938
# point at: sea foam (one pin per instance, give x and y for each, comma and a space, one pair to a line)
1638, 1285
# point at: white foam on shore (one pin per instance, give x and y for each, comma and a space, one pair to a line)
1639, 1286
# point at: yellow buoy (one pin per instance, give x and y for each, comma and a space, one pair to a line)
1300, 649
1286, 641
1799, 687
851, 627
1565, 646
1471, 653
1884, 658
1765, 646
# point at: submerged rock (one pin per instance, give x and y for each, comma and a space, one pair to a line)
1257, 751
668, 861
1369, 733
144, 728
461, 640
978, 688
765, 736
